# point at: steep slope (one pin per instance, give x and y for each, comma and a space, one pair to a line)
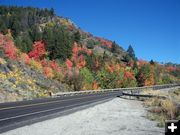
42, 53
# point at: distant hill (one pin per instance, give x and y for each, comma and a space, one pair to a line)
53, 54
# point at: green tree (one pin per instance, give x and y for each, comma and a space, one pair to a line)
58, 42
166, 79
77, 36
131, 52
52, 12
127, 58
34, 33
3, 27
145, 75
114, 48
15, 27
24, 43
87, 75
106, 79
152, 62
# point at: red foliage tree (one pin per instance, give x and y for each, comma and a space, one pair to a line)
171, 68
105, 42
55, 66
128, 74
95, 85
111, 68
69, 64
8, 46
44, 63
38, 51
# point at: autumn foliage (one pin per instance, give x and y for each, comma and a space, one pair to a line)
24, 57
38, 51
69, 64
48, 72
8, 46
105, 42
101, 74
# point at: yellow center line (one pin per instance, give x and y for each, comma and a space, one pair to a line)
45, 103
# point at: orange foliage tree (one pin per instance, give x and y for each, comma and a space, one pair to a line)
8, 46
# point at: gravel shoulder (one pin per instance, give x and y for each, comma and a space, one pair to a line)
115, 117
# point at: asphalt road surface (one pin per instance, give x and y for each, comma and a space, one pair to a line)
17, 114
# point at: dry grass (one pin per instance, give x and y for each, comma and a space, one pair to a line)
162, 109
176, 95
152, 102
169, 109
154, 92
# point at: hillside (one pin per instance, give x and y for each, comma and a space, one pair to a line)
41, 53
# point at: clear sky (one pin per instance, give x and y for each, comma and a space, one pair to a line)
152, 27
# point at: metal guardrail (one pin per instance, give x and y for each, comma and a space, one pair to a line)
155, 87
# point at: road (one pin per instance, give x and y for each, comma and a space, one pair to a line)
17, 114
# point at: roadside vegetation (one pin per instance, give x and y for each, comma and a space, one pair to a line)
161, 109
36, 40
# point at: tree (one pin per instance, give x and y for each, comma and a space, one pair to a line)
3, 27
131, 52
38, 51
15, 27
166, 79
88, 78
58, 43
9, 48
106, 79
77, 36
127, 58
24, 43
74, 79
34, 33
115, 48
52, 11
152, 62
145, 75
129, 80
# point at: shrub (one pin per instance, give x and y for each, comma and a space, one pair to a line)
74, 79
48, 72
38, 51
88, 78
9, 48
36, 65
24, 57
169, 108
69, 64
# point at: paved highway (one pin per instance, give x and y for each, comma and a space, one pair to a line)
16, 114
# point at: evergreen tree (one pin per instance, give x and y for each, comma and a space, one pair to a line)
152, 62
24, 43
77, 36
52, 12
58, 43
34, 33
131, 52
114, 47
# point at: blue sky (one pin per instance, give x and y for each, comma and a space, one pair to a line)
152, 27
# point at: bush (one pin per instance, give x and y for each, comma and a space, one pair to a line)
169, 109
106, 79
74, 79
48, 72
88, 78
36, 65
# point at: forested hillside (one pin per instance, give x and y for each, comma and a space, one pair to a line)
38, 46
